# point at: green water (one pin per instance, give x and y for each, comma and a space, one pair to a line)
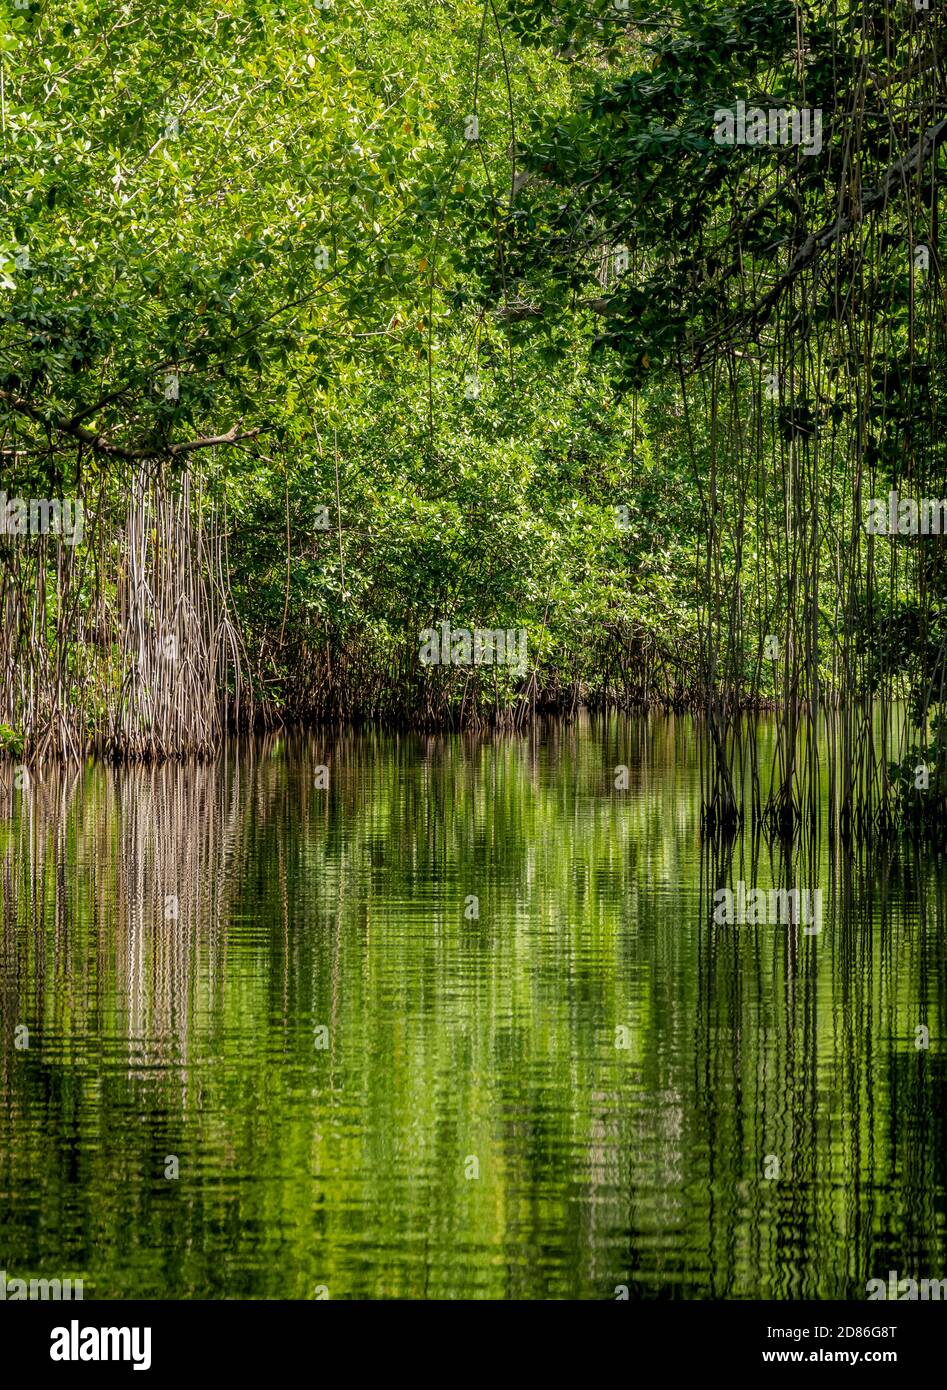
371, 1090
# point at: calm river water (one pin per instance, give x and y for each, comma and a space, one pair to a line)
458, 1024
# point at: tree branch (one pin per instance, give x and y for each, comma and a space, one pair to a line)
102, 445
817, 242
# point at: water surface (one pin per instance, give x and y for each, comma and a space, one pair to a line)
458, 1024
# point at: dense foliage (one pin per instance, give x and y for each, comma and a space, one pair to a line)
347, 322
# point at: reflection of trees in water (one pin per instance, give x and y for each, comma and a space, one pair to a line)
126, 878
344, 907
805, 1048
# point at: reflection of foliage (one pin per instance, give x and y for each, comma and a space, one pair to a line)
344, 908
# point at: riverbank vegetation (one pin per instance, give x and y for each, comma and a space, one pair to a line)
343, 322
